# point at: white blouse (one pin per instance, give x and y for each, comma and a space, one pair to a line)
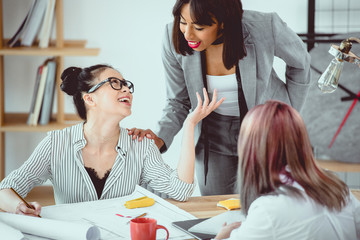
58, 158
227, 87
283, 217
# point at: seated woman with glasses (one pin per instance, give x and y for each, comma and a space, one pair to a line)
97, 159
283, 193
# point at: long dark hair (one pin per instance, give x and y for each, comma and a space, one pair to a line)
76, 81
228, 14
273, 142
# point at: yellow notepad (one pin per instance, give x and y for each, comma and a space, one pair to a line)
230, 204
140, 202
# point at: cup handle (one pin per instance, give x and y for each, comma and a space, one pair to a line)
162, 227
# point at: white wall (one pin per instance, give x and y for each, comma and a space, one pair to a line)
129, 34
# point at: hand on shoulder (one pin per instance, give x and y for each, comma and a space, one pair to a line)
141, 133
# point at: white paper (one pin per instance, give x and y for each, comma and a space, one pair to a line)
213, 225
50, 228
10, 233
102, 214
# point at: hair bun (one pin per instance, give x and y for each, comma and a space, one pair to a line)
70, 80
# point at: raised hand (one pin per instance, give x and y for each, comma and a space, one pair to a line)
203, 109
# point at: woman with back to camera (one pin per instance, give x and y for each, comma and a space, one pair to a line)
97, 159
215, 44
283, 193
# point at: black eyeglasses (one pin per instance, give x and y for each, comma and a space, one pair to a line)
115, 83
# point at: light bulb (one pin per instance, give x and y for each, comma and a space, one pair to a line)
328, 82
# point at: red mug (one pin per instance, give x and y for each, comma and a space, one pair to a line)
145, 229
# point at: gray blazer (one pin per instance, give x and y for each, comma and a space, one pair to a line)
265, 36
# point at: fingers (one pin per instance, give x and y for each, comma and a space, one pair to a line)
206, 98
199, 100
148, 133
24, 210
37, 207
135, 134
234, 225
141, 133
130, 131
215, 104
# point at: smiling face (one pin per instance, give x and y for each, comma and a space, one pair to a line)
111, 101
199, 37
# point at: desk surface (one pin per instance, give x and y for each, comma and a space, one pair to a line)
201, 207
204, 207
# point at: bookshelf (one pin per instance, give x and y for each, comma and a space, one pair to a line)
58, 48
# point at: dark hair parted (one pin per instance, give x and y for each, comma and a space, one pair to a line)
77, 80
228, 14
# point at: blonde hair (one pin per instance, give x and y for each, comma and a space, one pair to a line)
273, 137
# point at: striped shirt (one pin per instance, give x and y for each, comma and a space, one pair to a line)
58, 158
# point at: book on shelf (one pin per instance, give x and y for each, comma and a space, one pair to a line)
15, 40
35, 21
47, 103
37, 25
39, 96
36, 87
45, 30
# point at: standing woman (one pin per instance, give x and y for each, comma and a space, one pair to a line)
215, 44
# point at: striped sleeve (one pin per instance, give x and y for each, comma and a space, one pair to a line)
162, 178
35, 171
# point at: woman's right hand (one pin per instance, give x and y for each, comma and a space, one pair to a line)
141, 133
227, 229
204, 108
22, 209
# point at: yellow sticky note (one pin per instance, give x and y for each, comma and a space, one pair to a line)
139, 202
230, 204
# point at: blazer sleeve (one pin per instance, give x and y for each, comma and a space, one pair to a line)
290, 48
177, 102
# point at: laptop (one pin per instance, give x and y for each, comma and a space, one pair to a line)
185, 225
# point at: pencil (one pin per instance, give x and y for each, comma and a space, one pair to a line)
23, 200
142, 215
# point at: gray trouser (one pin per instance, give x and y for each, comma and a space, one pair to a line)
222, 134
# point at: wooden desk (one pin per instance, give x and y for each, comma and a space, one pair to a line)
337, 166
203, 207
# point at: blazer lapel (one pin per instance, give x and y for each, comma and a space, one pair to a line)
247, 67
193, 76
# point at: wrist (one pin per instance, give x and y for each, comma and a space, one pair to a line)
17, 207
189, 124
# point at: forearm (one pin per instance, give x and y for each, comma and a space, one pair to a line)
174, 115
186, 164
8, 200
